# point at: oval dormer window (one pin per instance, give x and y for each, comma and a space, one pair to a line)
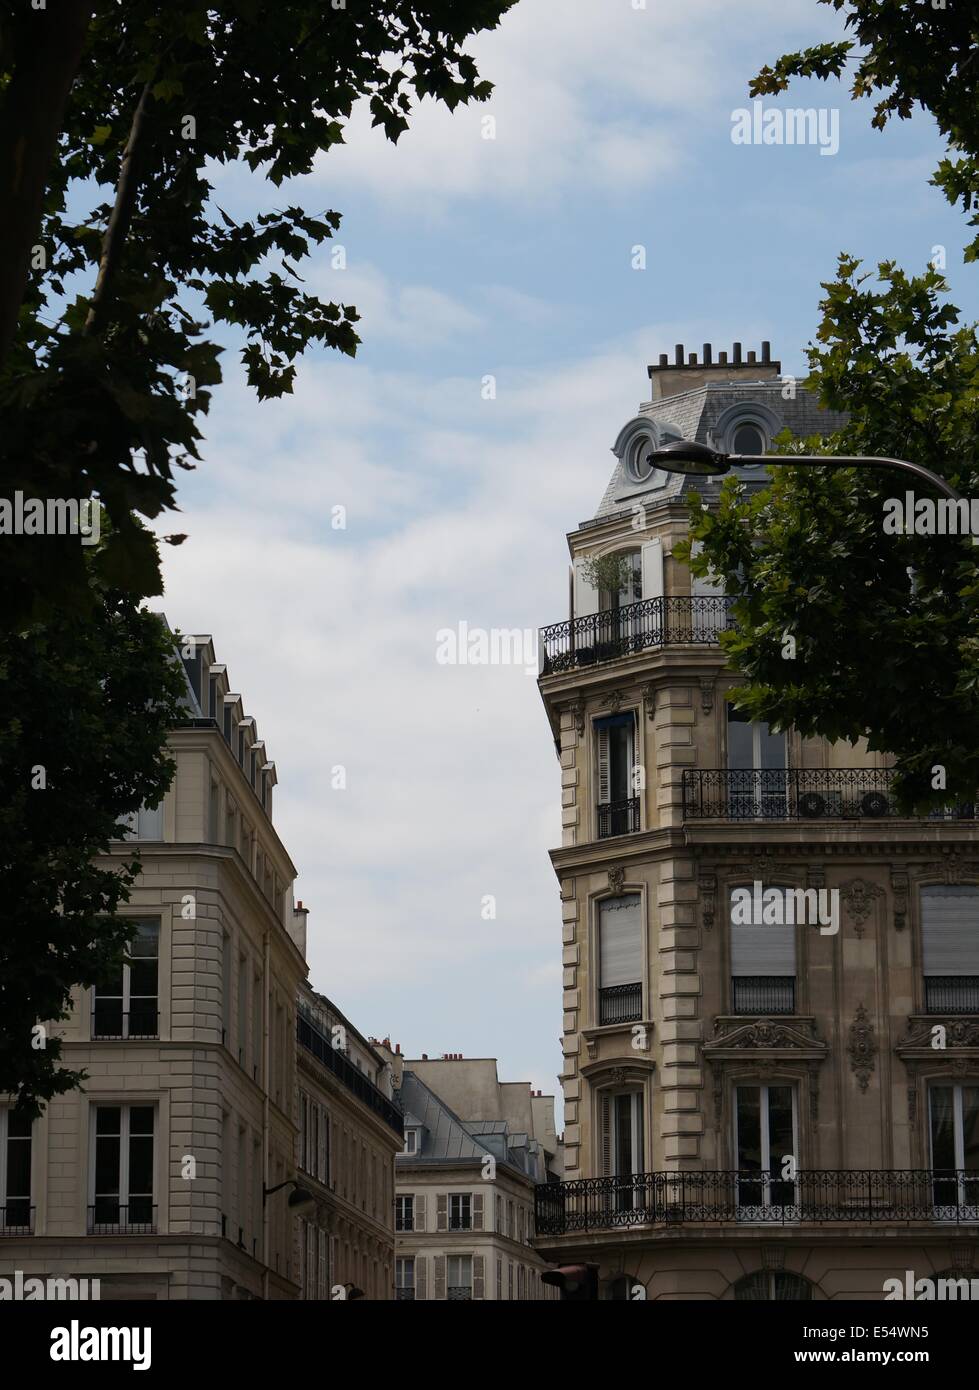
639, 451
748, 439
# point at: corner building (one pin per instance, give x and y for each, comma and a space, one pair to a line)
752, 1112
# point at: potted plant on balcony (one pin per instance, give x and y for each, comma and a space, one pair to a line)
610, 575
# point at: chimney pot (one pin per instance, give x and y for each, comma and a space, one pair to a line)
663, 359
708, 355
766, 352
692, 360
424, 1056
678, 355
737, 354
751, 358
722, 359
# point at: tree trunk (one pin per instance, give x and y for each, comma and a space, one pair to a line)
48, 47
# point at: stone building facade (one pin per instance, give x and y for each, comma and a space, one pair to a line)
752, 1110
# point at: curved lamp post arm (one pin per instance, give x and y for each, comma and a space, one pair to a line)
914, 470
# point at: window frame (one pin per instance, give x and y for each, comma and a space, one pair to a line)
465, 1207
124, 1137
125, 998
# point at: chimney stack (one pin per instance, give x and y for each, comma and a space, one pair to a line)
686, 373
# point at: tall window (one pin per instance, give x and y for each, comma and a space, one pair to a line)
954, 1117
618, 802
767, 1147
620, 959
950, 948
144, 824
127, 1005
122, 1196
242, 1007
404, 1279
762, 966
756, 759
404, 1212
623, 1146
459, 1277
460, 1211
15, 1171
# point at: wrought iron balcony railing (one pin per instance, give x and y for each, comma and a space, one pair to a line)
619, 632
618, 817
110, 1217
763, 994
109, 1021
17, 1217
459, 1293
802, 793
402, 1295
620, 1004
310, 1037
952, 994
843, 1196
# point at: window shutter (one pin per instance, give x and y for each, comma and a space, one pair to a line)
706, 586
419, 1213
440, 1276
606, 1123
620, 941
652, 570
950, 930
478, 1277
420, 1271
441, 1212
585, 597
604, 768
477, 1211
762, 950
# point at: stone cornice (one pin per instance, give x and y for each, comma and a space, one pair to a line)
781, 1039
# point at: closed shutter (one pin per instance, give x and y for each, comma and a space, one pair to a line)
441, 1213
950, 930
606, 1125
762, 950
620, 941
419, 1214
604, 767
477, 1211
707, 586
585, 597
421, 1277
478, 1277
440, 1276
652, 570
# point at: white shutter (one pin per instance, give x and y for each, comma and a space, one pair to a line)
585, 597
620, 941
652, 570
604, 767
606, 1123
950, 930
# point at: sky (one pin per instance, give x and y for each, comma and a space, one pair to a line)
417, 797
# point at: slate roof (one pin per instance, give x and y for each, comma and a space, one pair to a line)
444, 1138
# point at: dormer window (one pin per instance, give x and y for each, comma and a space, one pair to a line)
639, 466
748, 439
411, 1141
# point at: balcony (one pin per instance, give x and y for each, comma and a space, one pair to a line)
17, 1217
824, 1197
763, 994
618, 817
110, 1023
952, 994
782, 794
620, 1004
459, 1293
402, 1295
110, 1217
636, 627
310, 1037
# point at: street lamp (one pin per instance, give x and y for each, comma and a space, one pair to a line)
689, 456
301, 1200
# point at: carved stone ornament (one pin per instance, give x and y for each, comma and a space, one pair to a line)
707, 884
648, 694
899, 887
577, 708
762, 867
616, 878
859, 895
862, 1047
777, 1038
931, 1036
707, 694
615, 701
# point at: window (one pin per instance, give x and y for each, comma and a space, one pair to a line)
756, 759
122, 1168
762, 966
15, 1172
226, 963
509, 1281
950, 949
459, 1277
770, 1286
257, 1026
314, 1261
765, 1136
242, 1007
404, 1212
411, 1141
144, 824
954, 1122
127, 1005
499, 1281
640, 468
623, 1146
618, 805
620, 959
749, 439
404, 1280
460, 1211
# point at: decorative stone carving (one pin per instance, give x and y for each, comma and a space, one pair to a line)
960, 1033
777, 1039
616, 878
859, 895
760, 866
814, 1092
648, 693
815, 876
773, 1257
577, 708
707, 685
615, 701
862, 1047
899, 887
617, 1076
707, 885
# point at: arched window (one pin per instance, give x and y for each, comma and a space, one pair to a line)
748, 439
771, 1286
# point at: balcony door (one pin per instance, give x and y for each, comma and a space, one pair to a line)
623, 1149
756, 759
954, 1124
618, 804
765, 1137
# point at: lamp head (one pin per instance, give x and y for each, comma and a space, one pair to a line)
688, 456
301, 1201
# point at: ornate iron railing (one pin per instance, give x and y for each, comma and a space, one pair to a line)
110, 1022
619, 632
952, 994
620, 1004
459, 1293
800, 793
763, 994
848, 1196
107, 1216
618, 817
17, 1217
310, 1037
